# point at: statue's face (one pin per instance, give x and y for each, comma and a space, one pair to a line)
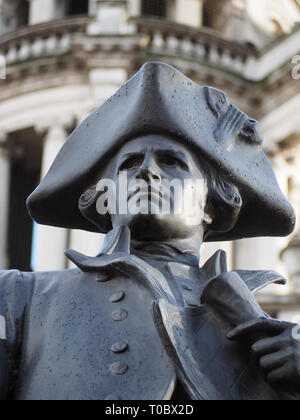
151, 165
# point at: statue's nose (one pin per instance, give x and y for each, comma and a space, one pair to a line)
148, 174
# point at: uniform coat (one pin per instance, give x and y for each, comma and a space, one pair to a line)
89, 333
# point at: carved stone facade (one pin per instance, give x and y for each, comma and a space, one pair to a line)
64, 60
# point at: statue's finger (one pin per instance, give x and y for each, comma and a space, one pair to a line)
261, 325
275, 361
270, 345
280, 375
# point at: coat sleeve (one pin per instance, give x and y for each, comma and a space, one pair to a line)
15, 296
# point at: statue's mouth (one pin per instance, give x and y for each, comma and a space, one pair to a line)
149, 193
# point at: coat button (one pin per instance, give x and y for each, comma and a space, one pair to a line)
102, 277
119, 315
119, 368
119, 347
117, 297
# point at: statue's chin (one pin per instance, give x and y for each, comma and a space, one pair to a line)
159, 228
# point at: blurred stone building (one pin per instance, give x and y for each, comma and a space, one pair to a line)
63, 58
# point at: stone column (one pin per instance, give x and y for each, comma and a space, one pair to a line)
92, 7
258, 254
8, 17
239, 20
294, 182
4, 202
134, 7
189, 12
43, 10
50, 242
110, 18
2, 18
87, 243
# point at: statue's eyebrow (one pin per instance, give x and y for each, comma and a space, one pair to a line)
175, 153
130, 154
127, 156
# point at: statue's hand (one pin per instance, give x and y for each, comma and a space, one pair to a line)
278, 353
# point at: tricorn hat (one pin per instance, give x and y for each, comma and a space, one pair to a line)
159, 99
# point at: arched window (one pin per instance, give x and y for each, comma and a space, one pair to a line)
154, 8
77, 7
216, 13
209, 9
22, 13
14, 14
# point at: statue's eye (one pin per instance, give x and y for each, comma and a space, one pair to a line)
134, 162
171, 161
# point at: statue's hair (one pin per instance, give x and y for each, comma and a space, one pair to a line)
224, 201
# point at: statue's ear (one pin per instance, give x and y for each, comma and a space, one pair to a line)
87, 205
223, 207
207, 219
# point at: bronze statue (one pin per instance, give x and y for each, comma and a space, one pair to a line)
142, 320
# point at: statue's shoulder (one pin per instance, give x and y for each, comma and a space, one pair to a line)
54, 281
17, 286
259, 279
16, 290
255, 280
15, 282
10, 277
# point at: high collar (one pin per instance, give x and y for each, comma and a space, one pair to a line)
117, 245
119, 240
165, 252
116, 253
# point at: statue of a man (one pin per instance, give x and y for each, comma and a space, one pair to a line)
161, 167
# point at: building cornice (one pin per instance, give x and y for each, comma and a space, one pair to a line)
262, 77
72, 24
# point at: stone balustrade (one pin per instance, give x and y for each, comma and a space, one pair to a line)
212, 49
43, 40
157, 37
203, 44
